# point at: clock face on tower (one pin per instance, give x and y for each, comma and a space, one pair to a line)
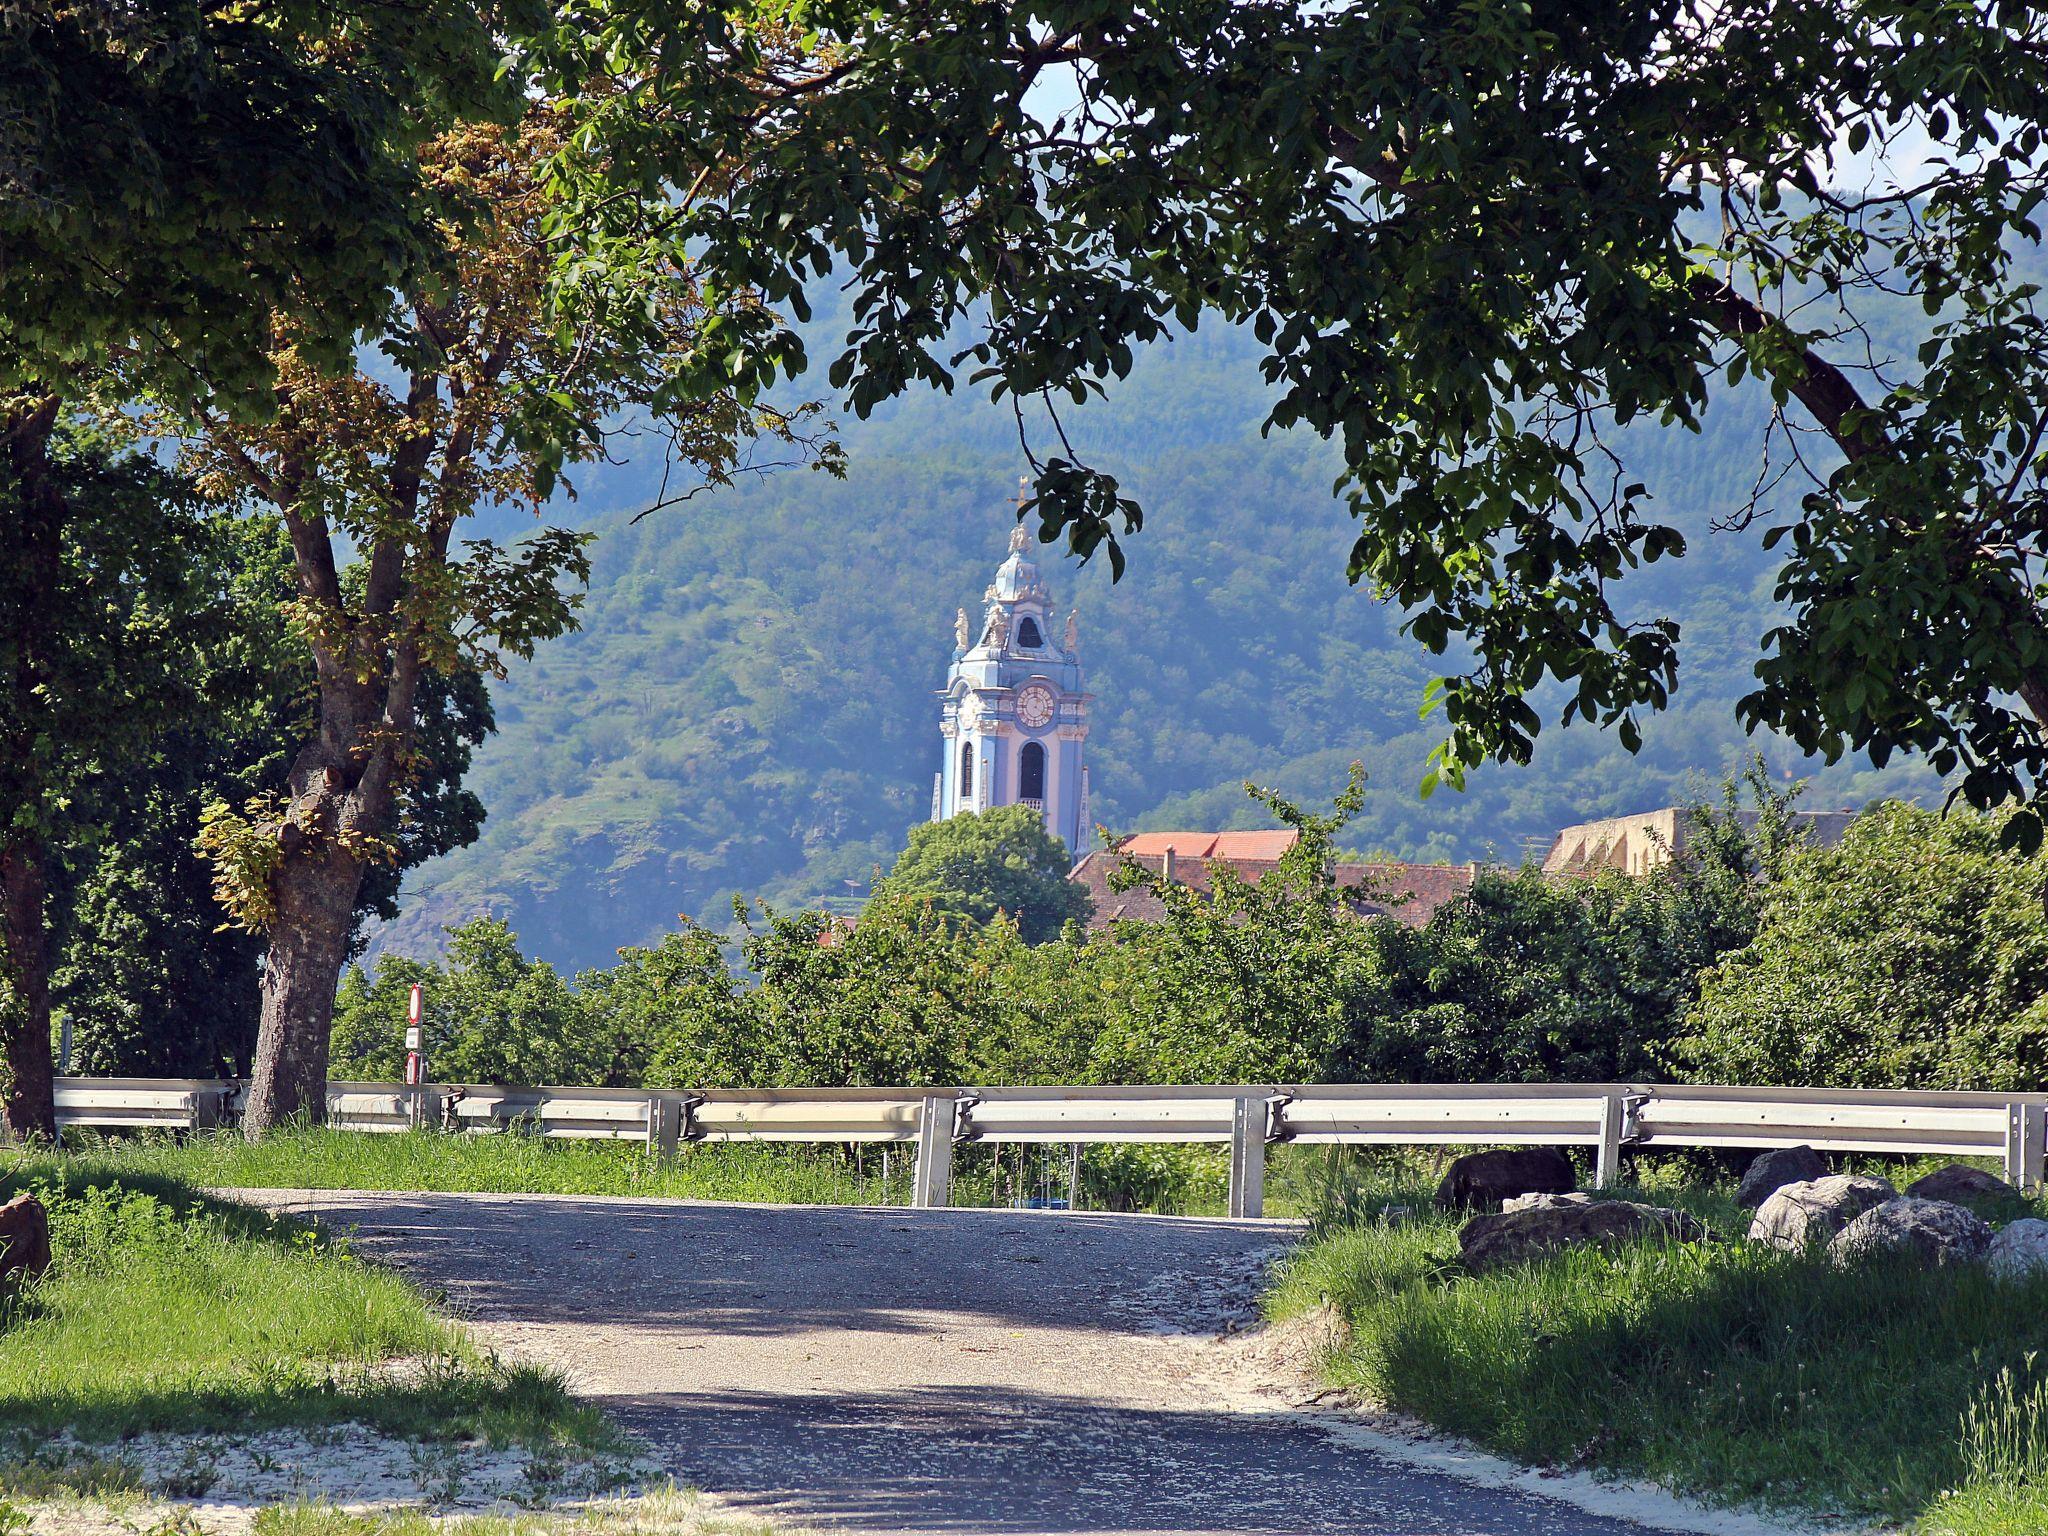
1035, 705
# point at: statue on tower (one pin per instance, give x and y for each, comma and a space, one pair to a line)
961, 633
1020, 539
1072, 638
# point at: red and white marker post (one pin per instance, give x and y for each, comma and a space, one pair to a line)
415, 1061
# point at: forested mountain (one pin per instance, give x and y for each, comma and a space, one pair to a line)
749, 705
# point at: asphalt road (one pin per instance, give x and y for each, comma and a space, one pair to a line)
887, 1372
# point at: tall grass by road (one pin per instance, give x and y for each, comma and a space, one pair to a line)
165, 1309
1723, 1369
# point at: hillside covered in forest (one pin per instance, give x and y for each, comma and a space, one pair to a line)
748, 707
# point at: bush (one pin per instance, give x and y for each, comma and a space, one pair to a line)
1912, 955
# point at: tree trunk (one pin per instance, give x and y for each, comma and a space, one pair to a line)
30, 1101
316, 897
343, 793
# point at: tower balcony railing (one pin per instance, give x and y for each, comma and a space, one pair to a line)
1036, 805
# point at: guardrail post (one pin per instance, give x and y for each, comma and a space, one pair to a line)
937, 1119
1248, 1157
664, 1126
2026, 1144
1613, 1125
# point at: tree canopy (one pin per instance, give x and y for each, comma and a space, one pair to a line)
983, 863
171, 175
1474, 241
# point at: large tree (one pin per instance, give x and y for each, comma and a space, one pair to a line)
1474, 240
148, 978
485, 387
172, 177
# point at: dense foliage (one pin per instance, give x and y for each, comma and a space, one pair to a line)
1913, 955
1000, 860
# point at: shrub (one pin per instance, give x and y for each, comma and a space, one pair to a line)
1912, 955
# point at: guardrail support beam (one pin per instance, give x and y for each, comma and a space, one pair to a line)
936, 1121
1248, 1157
2026, 1145
664, 1126
1613, 1124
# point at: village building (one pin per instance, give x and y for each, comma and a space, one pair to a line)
1408, 893
1637, 844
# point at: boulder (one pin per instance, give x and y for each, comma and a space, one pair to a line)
1814, 1211
1931, 1231
1490, 1241
1544, 1202
24, 1237
2018, 1251
1774, 1170
1960, 1184
1484, 1179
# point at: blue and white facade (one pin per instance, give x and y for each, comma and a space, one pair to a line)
1014, 714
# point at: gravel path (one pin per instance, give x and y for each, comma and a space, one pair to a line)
888, 1371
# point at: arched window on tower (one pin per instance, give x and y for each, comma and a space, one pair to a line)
1028, 634
967, 775
1031, 775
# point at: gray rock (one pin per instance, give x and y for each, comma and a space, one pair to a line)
1959, 1184
1774, 1170
2019, 1250
1482, 1180
1545, 1202
1511, 1237
1931, 1231
1814, 1211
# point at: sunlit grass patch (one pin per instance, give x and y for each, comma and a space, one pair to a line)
166, 1309
1723, 1369
663, 1512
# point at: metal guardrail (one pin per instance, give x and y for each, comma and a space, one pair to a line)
1610, 1117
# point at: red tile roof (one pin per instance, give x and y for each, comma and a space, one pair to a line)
1261, 846
1412, 891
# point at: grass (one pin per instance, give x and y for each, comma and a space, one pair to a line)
167, 1310
665, 1512
1177, 1180
1723, 1369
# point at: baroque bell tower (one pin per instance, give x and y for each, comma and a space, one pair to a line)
1013, 716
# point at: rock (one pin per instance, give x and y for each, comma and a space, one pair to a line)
1932, 1231
1774, 1170
1960, 1184
1544, 1202
1484, 1179
1489, 1241
2018, 1251
1815, 1210
24, 1237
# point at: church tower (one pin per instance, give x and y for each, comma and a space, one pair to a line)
1013, 714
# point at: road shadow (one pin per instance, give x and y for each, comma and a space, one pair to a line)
1004, 1463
